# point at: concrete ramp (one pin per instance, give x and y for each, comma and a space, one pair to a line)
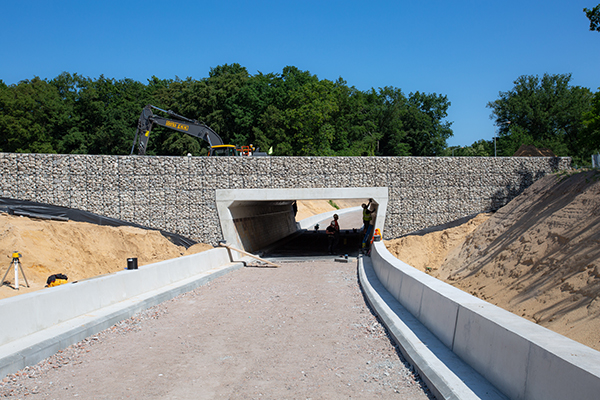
38, 324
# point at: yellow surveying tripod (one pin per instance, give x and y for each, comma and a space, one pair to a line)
16, 264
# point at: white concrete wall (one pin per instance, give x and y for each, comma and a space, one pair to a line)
259, 224
523, 360
227, 199
32, 312
309, 223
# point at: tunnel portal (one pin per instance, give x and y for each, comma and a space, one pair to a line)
254, 219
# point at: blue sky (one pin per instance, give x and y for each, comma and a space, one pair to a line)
466, 50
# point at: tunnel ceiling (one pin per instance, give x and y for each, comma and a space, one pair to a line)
261, 203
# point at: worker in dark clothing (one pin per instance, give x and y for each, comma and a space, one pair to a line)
333, 237
335, 222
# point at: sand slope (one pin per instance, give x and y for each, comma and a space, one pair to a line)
428, 250
537, 257
308, 208
77, 249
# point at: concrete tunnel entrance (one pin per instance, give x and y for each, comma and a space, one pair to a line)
252, 219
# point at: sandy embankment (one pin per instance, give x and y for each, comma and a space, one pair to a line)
308, 208
537, 257
77, 249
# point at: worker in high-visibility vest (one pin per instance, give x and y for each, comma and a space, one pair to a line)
367, 217
369, 211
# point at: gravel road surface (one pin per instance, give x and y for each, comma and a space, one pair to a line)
302, 331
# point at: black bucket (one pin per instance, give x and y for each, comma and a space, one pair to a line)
132, 263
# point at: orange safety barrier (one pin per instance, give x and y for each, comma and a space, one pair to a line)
376, 235
245, 150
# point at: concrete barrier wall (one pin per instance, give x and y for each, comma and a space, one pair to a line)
32, 312
523, 360
323, 218
178, 194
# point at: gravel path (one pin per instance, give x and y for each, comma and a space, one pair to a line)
297, 332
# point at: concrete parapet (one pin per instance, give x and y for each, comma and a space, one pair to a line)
446, 375
521, 359
38, 324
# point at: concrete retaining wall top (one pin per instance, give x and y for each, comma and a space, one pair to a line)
35, 311
520, 358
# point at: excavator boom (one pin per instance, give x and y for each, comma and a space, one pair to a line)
178, 123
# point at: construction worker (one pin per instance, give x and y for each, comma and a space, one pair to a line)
367, 217
369, 211
333, 237
336, 223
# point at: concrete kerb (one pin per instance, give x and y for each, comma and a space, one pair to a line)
446, 375
38, 344
521, 359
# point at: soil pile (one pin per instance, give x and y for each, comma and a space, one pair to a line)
427, 250
77, 249
537, 257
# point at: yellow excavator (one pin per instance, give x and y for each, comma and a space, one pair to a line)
182, 124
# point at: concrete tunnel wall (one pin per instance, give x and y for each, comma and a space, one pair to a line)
179, 194
258, 224
254, 218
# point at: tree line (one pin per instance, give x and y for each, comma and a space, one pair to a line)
546, 112
292, 113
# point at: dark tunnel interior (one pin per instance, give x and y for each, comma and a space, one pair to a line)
290, 237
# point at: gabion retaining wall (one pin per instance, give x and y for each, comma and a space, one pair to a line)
177, 194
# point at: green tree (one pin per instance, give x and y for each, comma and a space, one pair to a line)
176, 95
253, 101
108, 111
357, 122
594, 17
480, 148
298, 119
32, 117
592, 125
389, 112
308, 118
544, 112
293, 112
214, 100
427, 131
